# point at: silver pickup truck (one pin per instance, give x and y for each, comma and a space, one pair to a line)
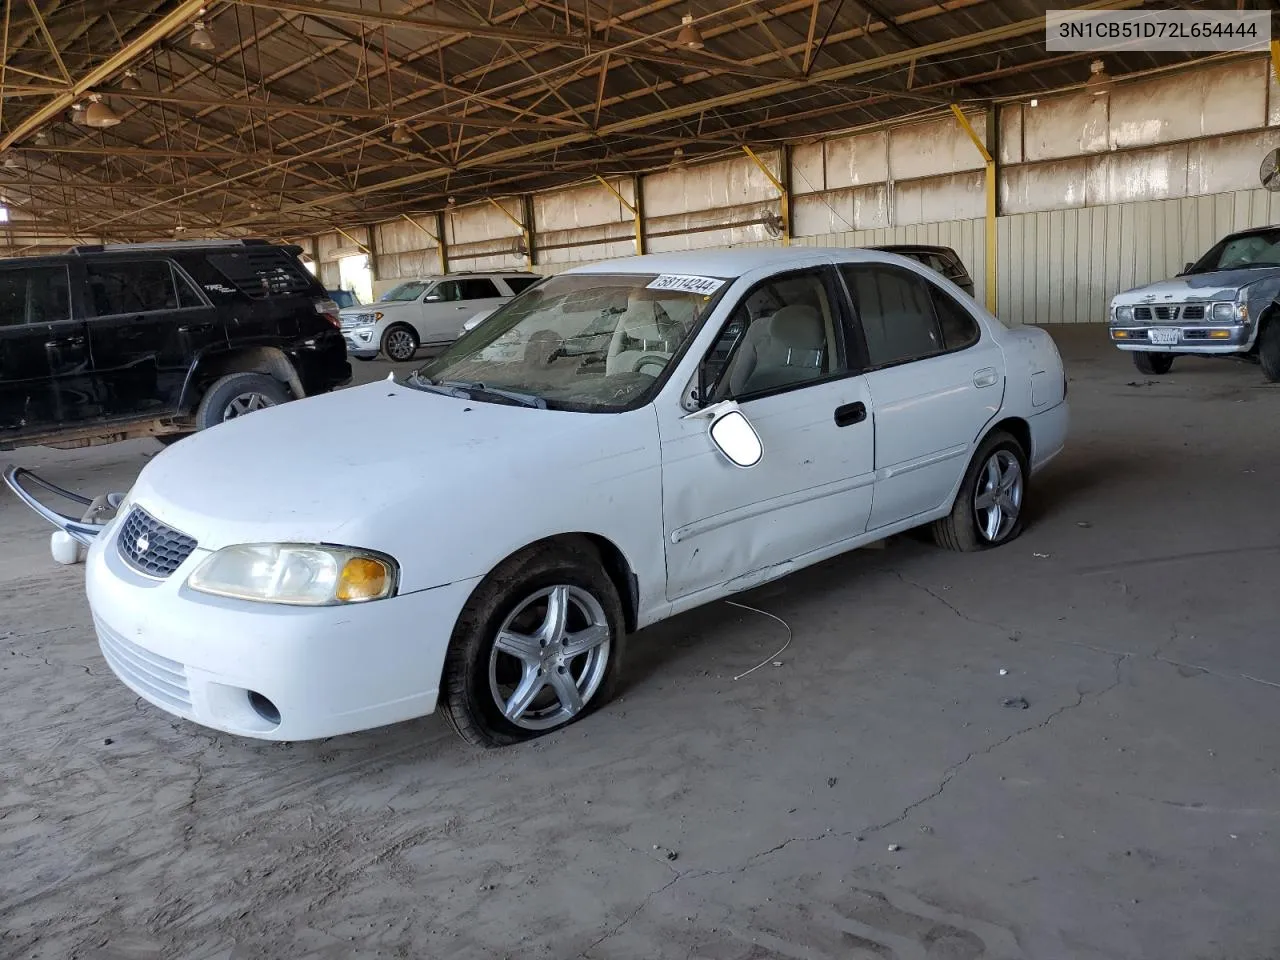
1223, 304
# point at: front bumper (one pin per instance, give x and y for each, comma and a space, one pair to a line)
361, 341
1191, 337
321, 671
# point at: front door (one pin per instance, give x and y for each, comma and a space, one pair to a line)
148, 323
451, 303
781, 356
936, 382
45, 376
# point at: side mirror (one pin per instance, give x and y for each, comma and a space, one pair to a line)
432, 298
734, 436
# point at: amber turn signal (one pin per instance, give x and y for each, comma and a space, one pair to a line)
363, 578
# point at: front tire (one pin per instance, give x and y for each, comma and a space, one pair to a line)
400, 342
1269, 350
1153, 364
538, 646
989, 507
237, 395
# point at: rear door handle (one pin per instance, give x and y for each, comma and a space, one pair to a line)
850, 413
66, 342
985, 377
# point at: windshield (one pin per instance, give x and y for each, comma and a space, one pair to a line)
405, 291
592, 342
1259, 249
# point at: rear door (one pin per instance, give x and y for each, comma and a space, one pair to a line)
148, 322
936, 381
45, 374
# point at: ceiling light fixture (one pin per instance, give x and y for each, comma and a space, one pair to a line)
130, 81
10, 163
42, 138
77, 114
1035, 102
201, 38
1099, 81
689, 36
400, 135
98, 115
677, 158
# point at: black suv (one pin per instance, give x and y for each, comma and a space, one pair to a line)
110, 342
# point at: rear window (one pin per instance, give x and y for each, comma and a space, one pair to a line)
34, 295
263, 272
518, 284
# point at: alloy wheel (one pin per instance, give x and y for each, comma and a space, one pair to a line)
245, 403
550, 657
997, 501
400, 345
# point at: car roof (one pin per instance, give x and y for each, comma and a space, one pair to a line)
729, 262
464, 274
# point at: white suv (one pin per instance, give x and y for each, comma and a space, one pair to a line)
426, 312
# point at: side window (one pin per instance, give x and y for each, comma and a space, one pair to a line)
782, 334
13, 298
895, 313
959, 329
142, 287
520, 284
447, 290
478, 289
39, 295
187, 295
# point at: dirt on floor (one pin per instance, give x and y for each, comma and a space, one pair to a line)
878, 791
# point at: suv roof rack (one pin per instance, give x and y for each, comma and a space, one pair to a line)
167, 245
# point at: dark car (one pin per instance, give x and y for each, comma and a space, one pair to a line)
942, 259
110, 342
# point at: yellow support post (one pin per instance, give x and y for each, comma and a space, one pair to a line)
784, 195
632, 208
991, 185
1275, 58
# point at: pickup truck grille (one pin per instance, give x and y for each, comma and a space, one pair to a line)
1171, 311
150, 547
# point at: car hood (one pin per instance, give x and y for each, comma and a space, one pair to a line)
365, 466
1219, 285
379, 307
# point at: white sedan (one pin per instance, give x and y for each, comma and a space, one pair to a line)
725, 418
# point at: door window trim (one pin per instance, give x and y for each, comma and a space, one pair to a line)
838, 299
858, 333
92, 314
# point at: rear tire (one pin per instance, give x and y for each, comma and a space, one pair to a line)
400, 342
1153, 364
238, 394
493, 697
1269, 350
995, 481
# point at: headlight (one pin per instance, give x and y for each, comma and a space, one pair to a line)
1228, 312
295, 573
1124, 313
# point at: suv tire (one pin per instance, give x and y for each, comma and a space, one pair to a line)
1269, 349
1153, 364
400, 342
238, 394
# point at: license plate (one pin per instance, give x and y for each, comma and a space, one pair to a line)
1166, 336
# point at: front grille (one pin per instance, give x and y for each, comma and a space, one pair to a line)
150, 547
150, 674
1173, 311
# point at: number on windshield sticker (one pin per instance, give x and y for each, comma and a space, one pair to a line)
686, 284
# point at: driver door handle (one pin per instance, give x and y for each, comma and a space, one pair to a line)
850, 413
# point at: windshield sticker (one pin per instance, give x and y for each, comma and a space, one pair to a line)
675, 281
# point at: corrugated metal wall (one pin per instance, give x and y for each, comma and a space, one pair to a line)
1099, 194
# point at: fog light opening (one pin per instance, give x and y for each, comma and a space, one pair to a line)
264, 708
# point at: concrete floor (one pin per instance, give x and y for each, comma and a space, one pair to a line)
868, 798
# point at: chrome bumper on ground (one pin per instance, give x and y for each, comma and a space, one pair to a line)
93, 520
